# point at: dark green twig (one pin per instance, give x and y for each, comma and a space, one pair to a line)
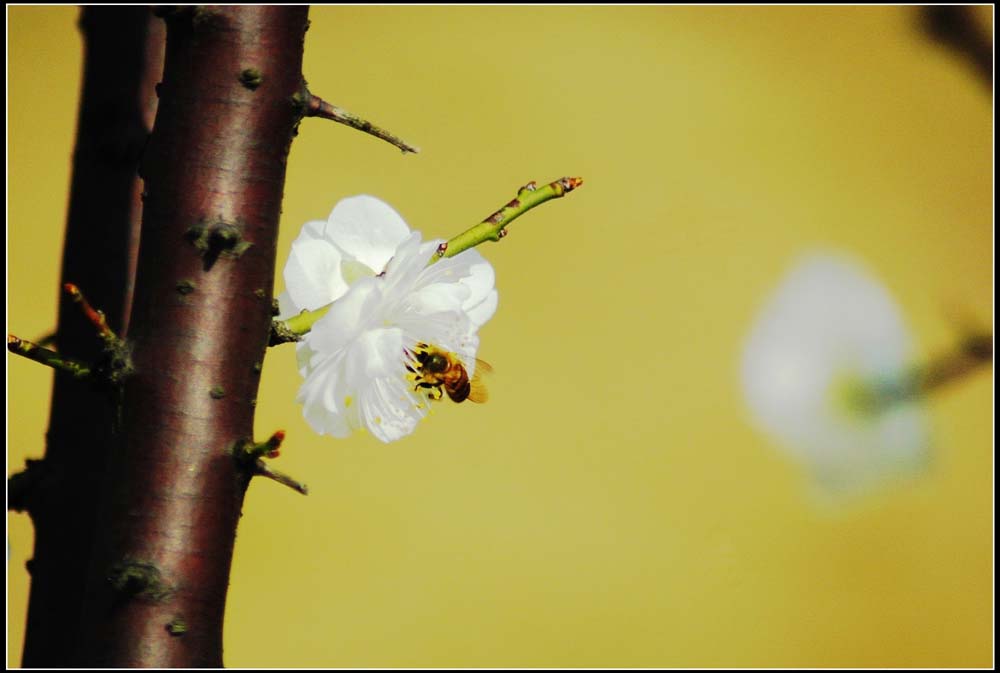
47, 357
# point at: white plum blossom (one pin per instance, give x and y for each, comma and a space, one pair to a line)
827, 332
386, 301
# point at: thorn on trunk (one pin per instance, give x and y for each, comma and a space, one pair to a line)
217, 238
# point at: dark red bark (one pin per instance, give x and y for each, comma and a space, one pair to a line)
214, 173
122, 61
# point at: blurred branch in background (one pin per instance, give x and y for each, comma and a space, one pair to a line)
955, 27
123, 59
973, 352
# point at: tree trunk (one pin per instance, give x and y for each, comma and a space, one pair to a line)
123, 60
214, 174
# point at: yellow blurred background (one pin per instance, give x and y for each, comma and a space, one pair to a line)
611, 506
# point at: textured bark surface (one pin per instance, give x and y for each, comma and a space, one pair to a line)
122, 61
214, 174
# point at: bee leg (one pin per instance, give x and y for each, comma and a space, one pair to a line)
433, 390
432, 387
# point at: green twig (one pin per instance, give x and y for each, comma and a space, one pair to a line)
493, 228
296, 325
47, 357
317, 107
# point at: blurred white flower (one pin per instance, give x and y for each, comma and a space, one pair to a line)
386, 301
828, 335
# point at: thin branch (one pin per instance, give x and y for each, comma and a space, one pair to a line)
317, 107
955, 27
47, 357
975, 351
264, 470
251, 454
493, 228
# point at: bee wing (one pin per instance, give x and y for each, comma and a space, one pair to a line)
477, 389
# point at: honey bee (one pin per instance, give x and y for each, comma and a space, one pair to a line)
438, 371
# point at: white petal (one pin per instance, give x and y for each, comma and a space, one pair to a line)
287, 307
448, 330
484, 310
480, 278
389, 410
326, 400
312, 274
436, 298
482, 301
367, 230
304, 356
376, 353
470, 271
387, 407
346, 318
335, 391
406, 266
